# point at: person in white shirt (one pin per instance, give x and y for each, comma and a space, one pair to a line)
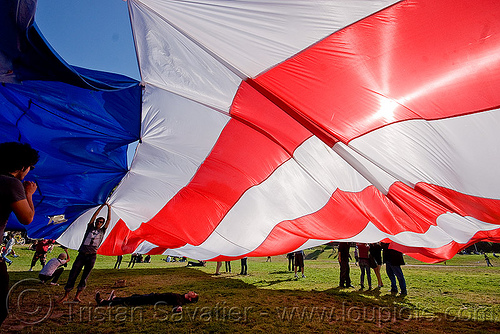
54, 268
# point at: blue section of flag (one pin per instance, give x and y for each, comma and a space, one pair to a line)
81, 121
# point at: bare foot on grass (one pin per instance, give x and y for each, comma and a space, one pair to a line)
62, 300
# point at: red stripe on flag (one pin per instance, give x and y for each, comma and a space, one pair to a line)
344, 216
416, 59
347, 214
121, 240
253, 144
435, 255
483, 209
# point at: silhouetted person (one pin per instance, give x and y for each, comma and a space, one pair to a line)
299, 262
344, 256
196, 264
133, 260
487, 259
244, 266
118, 262
291, 259
16, 161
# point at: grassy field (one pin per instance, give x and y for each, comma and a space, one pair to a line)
461, 296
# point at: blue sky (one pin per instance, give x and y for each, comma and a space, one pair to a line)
94, 34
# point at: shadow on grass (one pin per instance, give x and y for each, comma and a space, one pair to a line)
183, 279
264, 283
314, 255
280, 272
227, 304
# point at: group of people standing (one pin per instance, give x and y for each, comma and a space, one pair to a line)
370, 257
243, 261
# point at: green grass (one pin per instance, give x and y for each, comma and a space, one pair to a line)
462, 296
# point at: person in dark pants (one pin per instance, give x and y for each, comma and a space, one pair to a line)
291, 259
299, 262
244, 266
487, 259
195, 264
175, 299
133, 260
118, 262
393, 261
345, 279
16, 161
87, 254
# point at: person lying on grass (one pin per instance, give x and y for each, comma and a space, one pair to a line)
175, 299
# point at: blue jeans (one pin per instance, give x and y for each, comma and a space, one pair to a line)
4, 256
364, 264
396, 272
